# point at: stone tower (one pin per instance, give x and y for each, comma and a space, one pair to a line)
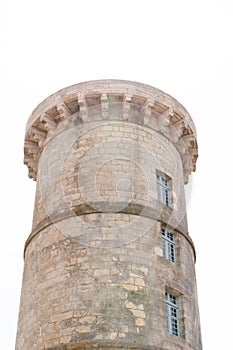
109, 263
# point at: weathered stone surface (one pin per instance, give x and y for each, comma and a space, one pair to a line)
95, 275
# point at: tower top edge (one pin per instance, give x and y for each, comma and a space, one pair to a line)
76, 98
110, 86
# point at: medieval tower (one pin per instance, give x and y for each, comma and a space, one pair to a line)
109, 263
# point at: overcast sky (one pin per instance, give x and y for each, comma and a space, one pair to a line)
183, 47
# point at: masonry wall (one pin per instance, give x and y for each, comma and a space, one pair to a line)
82, 297
100, 278
95, 275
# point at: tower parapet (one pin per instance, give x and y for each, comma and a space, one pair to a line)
159, 111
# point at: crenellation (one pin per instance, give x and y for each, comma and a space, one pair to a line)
104, 106
48, 122
37, 135
83, 109
31, 147
127, 106
78, 102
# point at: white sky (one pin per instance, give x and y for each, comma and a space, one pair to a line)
183, 47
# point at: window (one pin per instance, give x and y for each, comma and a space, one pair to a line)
172, 314
168, 245
163, 189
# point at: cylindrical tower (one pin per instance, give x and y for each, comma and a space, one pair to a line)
109, 263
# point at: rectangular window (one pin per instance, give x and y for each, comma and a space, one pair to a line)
172, 312
163, 189
168, 245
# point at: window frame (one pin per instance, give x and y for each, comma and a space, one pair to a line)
163, 185
168, 245
172, 314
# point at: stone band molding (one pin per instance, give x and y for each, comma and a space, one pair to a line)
66, 215
157, 110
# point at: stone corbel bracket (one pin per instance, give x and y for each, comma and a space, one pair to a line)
154, 109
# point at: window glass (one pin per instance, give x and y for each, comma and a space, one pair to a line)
172, 314
168, 245
163, 189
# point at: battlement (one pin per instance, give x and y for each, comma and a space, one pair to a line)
112, 100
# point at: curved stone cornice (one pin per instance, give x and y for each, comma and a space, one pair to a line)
126, 208
158, 110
